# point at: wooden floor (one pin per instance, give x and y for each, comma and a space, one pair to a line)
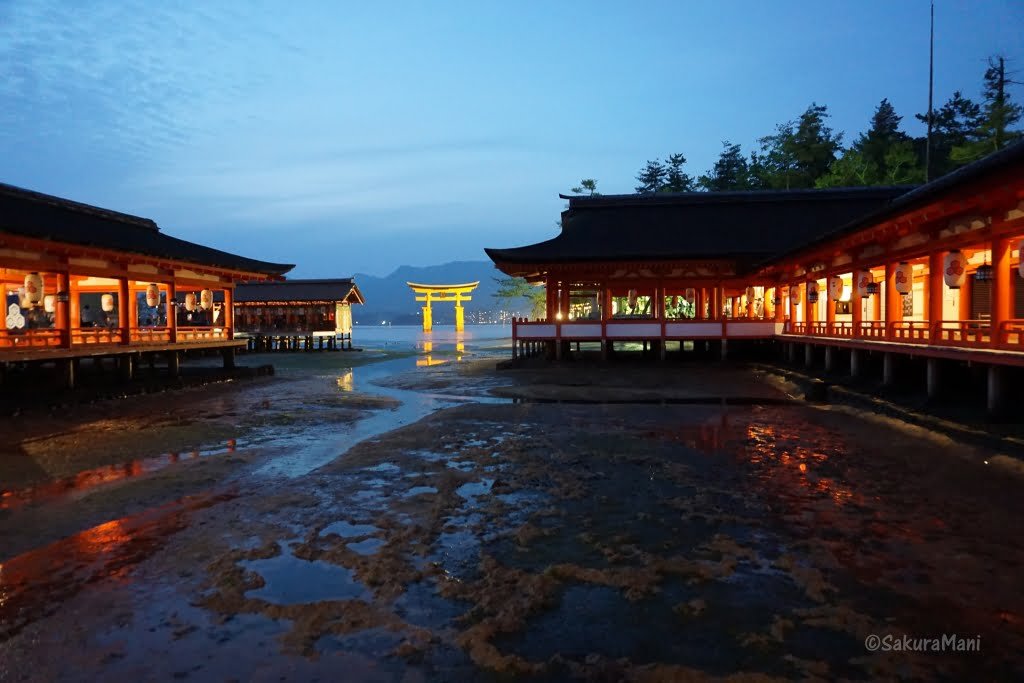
108, 350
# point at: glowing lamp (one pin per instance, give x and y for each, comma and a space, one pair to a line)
107, 302
812, 292
49, 303
190, 302
152, 295
794, 295
835, 288
206, 299
873, 288
953, 269
861, 280
904, 278
33, 288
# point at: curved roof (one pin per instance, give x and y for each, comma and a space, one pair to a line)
336, 289
746, 226
41, 216
467, 286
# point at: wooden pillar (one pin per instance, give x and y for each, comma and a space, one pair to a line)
67, 369
780, 309
996, 391
1002, 286
228, 355
174, 364
856, 310
229, 311
893, 299
876, 305
855, 362
811, 310
74, 313
699, 298
792, 308
935, 292
830, 309
172, 315
933, 377
126, 365
551, 290
63, 309
460, 317
829, 358
124, 309
965, 299
888, 368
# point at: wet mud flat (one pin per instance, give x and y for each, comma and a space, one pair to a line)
553, 542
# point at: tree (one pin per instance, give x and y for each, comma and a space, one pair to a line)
651, 177
587, 185
998, 116
799, 152
883, 134
675, 179
952, 125
516, 289
884, 155
730, 172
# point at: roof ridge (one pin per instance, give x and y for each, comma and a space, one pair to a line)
81, 207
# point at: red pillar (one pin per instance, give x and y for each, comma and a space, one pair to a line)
893, 299
935, 291
63, 309
124, 310
811, 309
1002, 286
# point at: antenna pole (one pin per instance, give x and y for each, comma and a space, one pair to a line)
931, 88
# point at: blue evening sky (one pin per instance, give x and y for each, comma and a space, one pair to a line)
347, 136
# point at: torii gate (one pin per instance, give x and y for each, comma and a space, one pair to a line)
432, 293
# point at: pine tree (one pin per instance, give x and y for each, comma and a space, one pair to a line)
587, 185
952, 125
799, 153
651, 177
883, 134
675, 179
884, 155
730, 172
999, 114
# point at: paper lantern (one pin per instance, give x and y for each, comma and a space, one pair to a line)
49, 303
835, 288
107, 302
862, 279
152, 295
812, 292
794, 295
690, 295
33, 288
190, 302
904, 278
206, 299
874, 288
953, 270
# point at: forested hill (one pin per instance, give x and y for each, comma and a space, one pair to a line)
389, 298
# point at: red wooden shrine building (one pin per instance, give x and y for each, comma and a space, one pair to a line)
81, 281
933, 271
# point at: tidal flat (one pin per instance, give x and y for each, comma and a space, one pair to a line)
453, 522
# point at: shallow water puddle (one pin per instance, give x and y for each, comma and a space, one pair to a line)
419, 490
348, 530
475, 488
289, 580
368, 547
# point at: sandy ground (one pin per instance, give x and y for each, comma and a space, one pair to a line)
712, 528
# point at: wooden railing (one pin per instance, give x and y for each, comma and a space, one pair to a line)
962, 333
96, 335
842, 328
151, 335
910, 330
31, 339
1011, 335
192, 334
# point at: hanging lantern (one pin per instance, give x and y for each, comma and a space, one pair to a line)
632, 298
953, 271
33, 288
107, 302
812, 292
690, 295
206, 299
862, 279
152, 295
904, 278
873, 288
49, 303
835, 288
794, 295
190, 302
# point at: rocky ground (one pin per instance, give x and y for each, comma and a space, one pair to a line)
630, 524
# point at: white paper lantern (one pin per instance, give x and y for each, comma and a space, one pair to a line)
206, 299
107, 302
812, 292
49, 303
690, 295
152, 295
861, 280
835, 288
794, 295
190, 302
904, 278
33, 288
954, 270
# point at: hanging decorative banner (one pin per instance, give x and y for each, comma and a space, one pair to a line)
107, 302
794, 295
152, 295
33, 288
691, 295
953, 270
835, 288
206, 299
190, 301
904, 278
862, 279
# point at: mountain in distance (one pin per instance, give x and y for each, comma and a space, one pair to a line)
390, 299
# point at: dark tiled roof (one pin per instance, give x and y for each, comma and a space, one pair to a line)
746, 226
998, 162
337, 289
41, 216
